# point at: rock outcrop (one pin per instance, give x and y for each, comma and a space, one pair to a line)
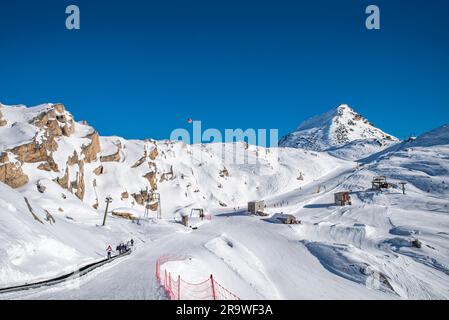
141, 197
140, 161
49, 165
152, 179
167, 176
11, 173
64, 180
224, 173
153, 153
124, 195
99, 170
115, 157
78, 186
34, 151
55, 121
91, 150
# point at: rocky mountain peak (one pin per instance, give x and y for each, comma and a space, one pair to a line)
336, 128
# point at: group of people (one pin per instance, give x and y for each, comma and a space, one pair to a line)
123, 248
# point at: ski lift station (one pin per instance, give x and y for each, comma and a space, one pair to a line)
256, 206
380, 182
342, 198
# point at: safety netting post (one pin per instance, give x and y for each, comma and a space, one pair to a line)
212, 283
179, 287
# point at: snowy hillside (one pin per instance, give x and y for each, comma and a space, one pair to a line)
385, 245
342, 132
66, 169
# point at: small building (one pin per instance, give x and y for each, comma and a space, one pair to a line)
379, 183
342, 198
286, 218
256, 206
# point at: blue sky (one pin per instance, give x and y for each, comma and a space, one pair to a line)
139, 69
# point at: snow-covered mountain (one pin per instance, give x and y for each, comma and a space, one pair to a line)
55, 174
65, 170
340, 131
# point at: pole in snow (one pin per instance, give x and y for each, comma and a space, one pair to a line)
403, 186
108, 201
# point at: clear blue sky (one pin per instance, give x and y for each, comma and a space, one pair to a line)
139, 69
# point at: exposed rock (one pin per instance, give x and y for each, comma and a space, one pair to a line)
99, 170
50, 165
53, 128
74, 159
152, 166
79, 183
153, 154
123, 214
68, 129
3, 121
151, 177
40, 187
224, 173
43, 119
91, 151
142, 197
31, 210
59, 107
139, 162
4, 157
166, 176
61, 118
115, 157
64, 181
139, 197
153, 206
12, 175
125, 195
30, 152
49, 217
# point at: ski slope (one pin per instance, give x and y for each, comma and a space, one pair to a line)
362, 251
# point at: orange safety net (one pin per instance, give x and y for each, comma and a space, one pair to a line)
179, 289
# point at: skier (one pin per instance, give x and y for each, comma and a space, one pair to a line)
132, 242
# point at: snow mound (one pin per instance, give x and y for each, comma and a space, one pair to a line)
245, 263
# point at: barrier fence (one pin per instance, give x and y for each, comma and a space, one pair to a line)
178, 289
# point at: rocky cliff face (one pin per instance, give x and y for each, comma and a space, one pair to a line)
38, 138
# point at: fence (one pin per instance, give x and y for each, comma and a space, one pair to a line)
178, 289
